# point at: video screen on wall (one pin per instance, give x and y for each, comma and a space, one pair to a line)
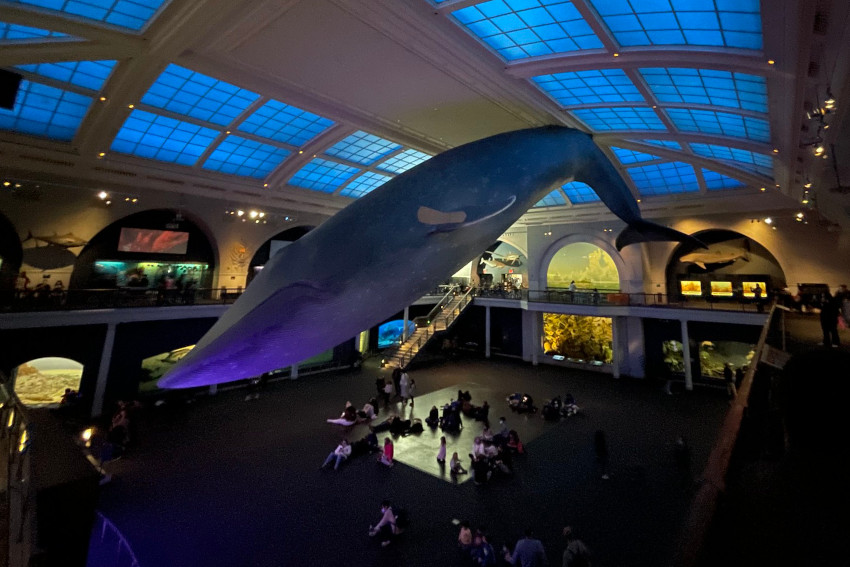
750, 286
690, 287
155, 241
721, 289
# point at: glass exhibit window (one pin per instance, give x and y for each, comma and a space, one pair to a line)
721, 289
586, 264
713, 355
390, 333
578, 338
691, 287
42, 382
749, 288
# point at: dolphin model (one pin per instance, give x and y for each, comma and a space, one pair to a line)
69, 240
388, 248
721, 253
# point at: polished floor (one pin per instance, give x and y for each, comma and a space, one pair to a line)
228, 482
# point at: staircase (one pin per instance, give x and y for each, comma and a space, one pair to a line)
440, 319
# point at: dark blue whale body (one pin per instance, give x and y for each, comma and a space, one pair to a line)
388, 248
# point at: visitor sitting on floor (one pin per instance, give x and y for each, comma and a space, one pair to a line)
386, 457
514, 443
570, 407
480, 470
454, 465
368, 444
348, 416
369, 410
341, 453
433, 419
386, 528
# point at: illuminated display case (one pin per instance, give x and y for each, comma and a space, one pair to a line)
690, 287
721, 289
748, 288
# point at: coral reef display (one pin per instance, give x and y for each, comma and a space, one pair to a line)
578, 338
712, 356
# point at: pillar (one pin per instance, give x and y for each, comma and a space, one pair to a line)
487, 331
293, 372
404, 328
103, 371
686, 357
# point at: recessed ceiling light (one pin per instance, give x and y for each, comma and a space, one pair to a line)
770, 61
103, 99
131, 106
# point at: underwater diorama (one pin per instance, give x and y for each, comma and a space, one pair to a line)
578, 338
42, 382
713, 355
390, 332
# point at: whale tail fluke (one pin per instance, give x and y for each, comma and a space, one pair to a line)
645, 231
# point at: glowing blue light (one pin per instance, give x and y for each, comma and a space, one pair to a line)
664, 178
620, 118
86, 74
45, 111
131, 14
760, 163
284, 123
553, 199
16, 32
627, 157
162, 138
517, 29
400, 163
363, 148
363, 184
323, 175
186, 92
239, 156
704, 23
715, 181
588, 87
579, 192
662, 143
707, 86
722, 123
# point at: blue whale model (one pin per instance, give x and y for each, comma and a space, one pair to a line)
385, 250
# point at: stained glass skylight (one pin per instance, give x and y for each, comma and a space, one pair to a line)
186, 92
323, 175
400, 163
579, 192
628, 157
662, 143
42, 110
363, 184
714, 180
716, 23
553, 199
160, 137
362, 147
240, 156
722, 123
664, 178
707, 86
284, 123
132, 14
587, 87
747, 159
87, 74
16, 32
517, 29
623, 118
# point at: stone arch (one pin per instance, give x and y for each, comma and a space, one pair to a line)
624, 270
264, 251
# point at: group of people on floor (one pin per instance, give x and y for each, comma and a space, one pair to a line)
476, 549
399, 385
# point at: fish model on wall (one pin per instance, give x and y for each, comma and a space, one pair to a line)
388, 248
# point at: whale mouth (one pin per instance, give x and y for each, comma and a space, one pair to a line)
447, 221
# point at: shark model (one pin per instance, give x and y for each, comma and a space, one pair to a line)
720, 253
393, 245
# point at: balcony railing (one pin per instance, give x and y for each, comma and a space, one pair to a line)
113, 298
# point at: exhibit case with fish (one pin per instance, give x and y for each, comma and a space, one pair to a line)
576, 338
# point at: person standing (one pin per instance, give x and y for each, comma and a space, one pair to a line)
600, 445
576, 553
404, 388
411, 390
528, 552
739, 376
729, 377
387, 393
397, 379
757, 292
829, 320
441, 452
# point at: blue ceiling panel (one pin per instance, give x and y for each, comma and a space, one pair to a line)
400, 163
553, 199
162, 138
240, 156
42, 110
363, 148
363, 184
715, 181
620, 118
323, 175
759, 163
664, 178
87, 74
628, 157
130, 14
720, 123
588, 87
15, 32
579, 192
518, 29
661, 143
186, 92
284, 123
700, 23
707, 86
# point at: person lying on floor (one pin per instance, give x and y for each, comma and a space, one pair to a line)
348, 416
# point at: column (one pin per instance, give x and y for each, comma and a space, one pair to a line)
686, 357
404, 329
487, 331
213, 389
617, 338
103, 371
293, 372
535, 337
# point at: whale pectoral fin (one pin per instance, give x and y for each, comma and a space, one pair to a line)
448, 221
701, 265
645, 231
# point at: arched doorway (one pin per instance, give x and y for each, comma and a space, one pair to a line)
143, 249
502, 266
42, 382
586, 264
272, 246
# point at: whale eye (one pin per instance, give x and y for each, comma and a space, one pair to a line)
427, 215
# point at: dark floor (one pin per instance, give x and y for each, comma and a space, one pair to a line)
234, 483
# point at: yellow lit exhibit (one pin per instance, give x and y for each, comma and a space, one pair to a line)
43, 381
691, 287
586, 264
577, 338
721, 289
749, 288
